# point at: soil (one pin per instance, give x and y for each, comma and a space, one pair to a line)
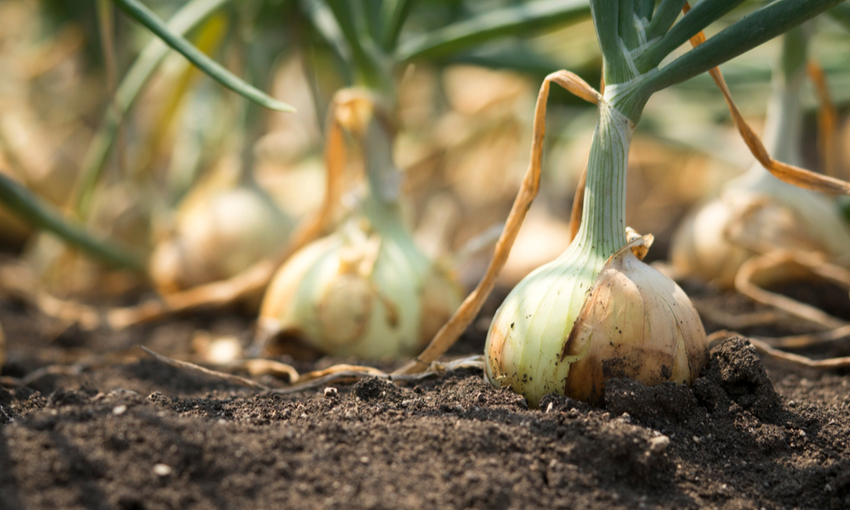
126, 432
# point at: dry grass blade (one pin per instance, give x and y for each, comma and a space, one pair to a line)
823, 364
788, 173
811, 339
470, 307
708, 310
827, 118
343, 376
35, 375
17, 281
744, 283
351, 373
191, 367
768, 350
338, 369
274, 368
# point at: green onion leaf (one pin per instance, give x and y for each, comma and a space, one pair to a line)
34, 211
523, 19
146, 17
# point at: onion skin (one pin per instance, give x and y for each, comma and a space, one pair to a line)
717, 238
358, 293
634, 322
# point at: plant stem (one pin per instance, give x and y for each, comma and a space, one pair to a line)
519, 19
841, 14
393, 15
369, 68
626, 24
784, 113
603, 222
691, 23
644, 8
213, 69
664, 17
744, 35
605, 18
383, 176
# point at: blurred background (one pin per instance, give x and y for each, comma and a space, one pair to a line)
140, 151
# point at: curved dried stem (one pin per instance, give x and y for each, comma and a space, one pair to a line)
827, 118
578, 202
748, 272
809, 340
470, 307
788, 173
795, 359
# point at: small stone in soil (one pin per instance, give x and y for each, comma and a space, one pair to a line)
162, 470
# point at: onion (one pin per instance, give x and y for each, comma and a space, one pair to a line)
217, 234
365, 290
596, 312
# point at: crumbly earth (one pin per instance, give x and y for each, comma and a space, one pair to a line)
130, 433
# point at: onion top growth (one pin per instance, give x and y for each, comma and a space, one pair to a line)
598, 312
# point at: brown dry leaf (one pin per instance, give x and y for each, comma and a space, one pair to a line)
270, 367
796, 359
470, 307
827, 118
787, 173
578, 201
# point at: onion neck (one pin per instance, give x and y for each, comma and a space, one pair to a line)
603, 224
381, 204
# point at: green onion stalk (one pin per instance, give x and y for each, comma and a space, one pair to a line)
598, 312
757, 211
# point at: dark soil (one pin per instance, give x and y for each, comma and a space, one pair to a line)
130, 433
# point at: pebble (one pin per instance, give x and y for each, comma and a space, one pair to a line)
162, 470
331, 392
658, 444
119, 410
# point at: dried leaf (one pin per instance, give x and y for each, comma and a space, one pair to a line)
787, 173
470, 307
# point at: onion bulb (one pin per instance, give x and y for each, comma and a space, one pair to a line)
217, 234
596, 312
568, 327
365, 290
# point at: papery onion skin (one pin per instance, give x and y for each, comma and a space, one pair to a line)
714, 241
356, 294
635, 323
